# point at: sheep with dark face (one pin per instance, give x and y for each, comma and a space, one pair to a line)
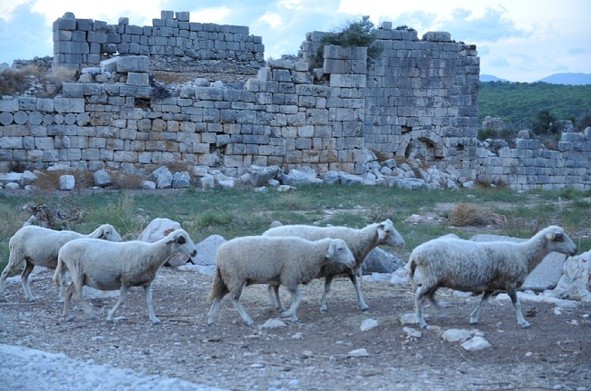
110, 266
38, 246
485, 267
288, 261
360, 241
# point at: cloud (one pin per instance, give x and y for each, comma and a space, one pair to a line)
35, 40
217, 15
8, 7
490, 27
273, 19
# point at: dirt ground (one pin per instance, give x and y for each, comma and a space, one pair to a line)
555, 353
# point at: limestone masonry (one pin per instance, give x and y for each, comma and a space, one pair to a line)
417, 100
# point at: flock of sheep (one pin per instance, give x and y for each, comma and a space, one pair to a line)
288, 255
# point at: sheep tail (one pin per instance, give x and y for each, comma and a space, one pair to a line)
218, 287
58, 272
412, 266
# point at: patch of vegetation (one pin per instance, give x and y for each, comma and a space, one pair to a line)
239, 212
358, 33
465, 214
15, 81
518, 104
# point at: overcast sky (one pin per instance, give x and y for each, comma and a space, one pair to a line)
517, 40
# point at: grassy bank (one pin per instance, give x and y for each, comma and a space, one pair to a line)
239, 212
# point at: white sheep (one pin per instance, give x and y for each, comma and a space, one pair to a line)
38, 246
110, 266
485, 267
288, 261
360, 241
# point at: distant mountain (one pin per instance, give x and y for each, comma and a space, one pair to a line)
485, 78
575, 79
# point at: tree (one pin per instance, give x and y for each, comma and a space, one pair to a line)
546, 123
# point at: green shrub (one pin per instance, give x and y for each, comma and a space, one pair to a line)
484, 134
359, 33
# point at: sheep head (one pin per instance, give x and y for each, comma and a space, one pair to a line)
339, 252
180, 238
387, 234
108, 232
559, 241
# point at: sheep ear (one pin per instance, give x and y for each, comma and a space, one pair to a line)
550, 236
382, 231
331, 250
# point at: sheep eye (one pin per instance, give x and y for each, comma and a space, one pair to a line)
181, 240
559, 238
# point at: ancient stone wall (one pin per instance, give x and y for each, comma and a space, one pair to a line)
420, 96
417, 100
529, 165
172, 43
279, 118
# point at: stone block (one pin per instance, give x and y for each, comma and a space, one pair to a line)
138, 79
437, 36
132, 64
9, 105
71, 105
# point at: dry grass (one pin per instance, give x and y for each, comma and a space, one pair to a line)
172, 77
465, 215
50, 180
12, 81
62, 73
16, 81
125, 180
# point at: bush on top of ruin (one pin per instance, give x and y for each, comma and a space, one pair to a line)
34, 80
356, 33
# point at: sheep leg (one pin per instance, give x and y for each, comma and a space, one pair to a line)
7, 270
149, 302
122, 299
68, 299
79, 286
62, 284
440, 309
25, 280
213, 311
421, 294
475, 314
517, 305
327, 281
240, 308
62, 292
274, 299
296, 299
356, 280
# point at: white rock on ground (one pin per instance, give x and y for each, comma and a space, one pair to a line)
30, 369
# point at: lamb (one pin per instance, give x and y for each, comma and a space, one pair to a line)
360, 241
289, 261
110, 266
480, 267
39, 246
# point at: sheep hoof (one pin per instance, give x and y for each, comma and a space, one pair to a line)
155, 321
364, 309
525, 325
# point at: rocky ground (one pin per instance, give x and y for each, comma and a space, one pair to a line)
324, 351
